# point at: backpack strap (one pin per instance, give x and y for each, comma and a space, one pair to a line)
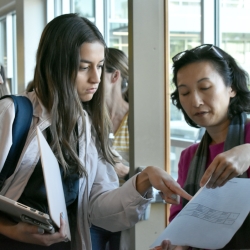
20, 129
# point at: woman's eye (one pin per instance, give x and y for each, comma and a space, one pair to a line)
184, 94
100, 66
205, 88
83, 67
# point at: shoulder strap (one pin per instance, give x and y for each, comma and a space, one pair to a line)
20, 129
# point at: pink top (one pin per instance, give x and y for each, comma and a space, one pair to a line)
186, 158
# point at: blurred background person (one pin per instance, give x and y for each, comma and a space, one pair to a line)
116, 94
116, 89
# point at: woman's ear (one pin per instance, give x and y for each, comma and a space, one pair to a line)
232, 93
115, 76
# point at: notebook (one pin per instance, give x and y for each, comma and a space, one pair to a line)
54, 190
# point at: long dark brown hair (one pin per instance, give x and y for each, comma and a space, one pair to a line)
57, 65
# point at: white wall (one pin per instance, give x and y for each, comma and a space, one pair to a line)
31, 19
147, 103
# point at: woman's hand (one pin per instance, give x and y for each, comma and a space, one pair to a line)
166, 245
161, 180
121, 170
226, 166
28, 233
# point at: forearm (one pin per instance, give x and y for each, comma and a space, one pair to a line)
6, 225
142, 182
122, 213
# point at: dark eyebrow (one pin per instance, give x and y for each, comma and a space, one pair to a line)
202, 79
199, 81
86, 61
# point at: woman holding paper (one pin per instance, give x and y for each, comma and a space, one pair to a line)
212, 92
69, 107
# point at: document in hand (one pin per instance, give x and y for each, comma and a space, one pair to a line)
211, 217
53, 183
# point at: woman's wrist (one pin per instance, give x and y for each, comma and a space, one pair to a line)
142, 182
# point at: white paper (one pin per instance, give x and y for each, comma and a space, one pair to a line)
211, 218
53, 183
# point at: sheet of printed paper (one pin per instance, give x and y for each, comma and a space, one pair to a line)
211, 218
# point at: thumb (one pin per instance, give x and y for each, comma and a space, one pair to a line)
206, 176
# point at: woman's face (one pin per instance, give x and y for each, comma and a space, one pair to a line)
90, 70
203, 94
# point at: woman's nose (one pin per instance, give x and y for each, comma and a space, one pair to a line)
196, 99
95, 75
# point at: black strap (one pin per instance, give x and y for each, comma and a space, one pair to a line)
20, 129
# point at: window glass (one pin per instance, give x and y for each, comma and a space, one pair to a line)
118, 24
13, 83
184, 25
185, 33
111, 18
235, 32
3, 47
8, 49
57, 7
85, 8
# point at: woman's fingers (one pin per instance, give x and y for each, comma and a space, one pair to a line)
226, 166
62, 230
178, 192
173, 191
171, 199
48, 239
163, 182
165, 245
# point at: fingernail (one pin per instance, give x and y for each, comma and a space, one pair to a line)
62, 215
178, 199
174, 196
40, 230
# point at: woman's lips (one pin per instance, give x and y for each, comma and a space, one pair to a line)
91, 91
201, 113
